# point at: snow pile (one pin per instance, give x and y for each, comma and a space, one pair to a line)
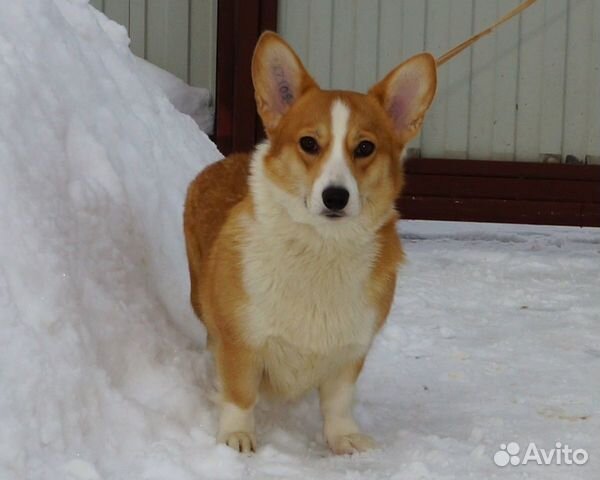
192, 101
94, 163
494, 337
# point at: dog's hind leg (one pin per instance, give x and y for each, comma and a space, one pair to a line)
239, 374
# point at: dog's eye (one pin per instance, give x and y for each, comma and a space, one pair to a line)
309, 145
364, 149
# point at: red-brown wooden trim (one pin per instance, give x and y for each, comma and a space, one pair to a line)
507, 192
239, 24
507, 188
499, 211
489, 168
224, 75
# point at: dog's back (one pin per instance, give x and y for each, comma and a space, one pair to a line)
210, 198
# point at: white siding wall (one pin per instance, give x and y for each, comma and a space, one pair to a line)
531, 89
177, 35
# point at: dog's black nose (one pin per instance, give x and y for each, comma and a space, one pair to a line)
335, 198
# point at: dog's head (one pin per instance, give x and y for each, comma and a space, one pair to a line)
337, 154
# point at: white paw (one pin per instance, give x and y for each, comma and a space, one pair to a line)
242, 442
351, 443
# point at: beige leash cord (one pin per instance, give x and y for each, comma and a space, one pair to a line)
467, 43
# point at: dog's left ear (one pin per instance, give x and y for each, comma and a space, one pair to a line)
407, 92
279, 78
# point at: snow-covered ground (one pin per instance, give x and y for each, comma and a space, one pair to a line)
494, 336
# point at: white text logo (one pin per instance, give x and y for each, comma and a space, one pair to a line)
559, 455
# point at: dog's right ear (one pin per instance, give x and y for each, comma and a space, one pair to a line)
279, 78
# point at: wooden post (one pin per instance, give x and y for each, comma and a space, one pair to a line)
239, 24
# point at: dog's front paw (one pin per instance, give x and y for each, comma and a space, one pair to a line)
351, 443
242, 442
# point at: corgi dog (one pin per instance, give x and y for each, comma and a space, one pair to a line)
293, 249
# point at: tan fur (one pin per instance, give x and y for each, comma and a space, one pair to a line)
292, 299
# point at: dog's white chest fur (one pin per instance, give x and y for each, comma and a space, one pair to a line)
309, 311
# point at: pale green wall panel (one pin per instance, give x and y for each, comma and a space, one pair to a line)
366, 31
531, 60
167, 30
343, 45
118, 10
177, 35
532, 88
294, 20
99, 4
437, 40
203, 43
458, 72
593, 148
137, 27
319, 40
578, 78
390, 35
552, 93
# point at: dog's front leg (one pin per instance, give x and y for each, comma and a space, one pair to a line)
239, 376
341, 431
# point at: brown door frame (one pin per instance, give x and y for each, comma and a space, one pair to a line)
436, 189
239, 24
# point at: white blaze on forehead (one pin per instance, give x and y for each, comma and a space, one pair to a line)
340, 114
336, 171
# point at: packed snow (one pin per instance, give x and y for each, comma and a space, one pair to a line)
193, 101
494, 336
